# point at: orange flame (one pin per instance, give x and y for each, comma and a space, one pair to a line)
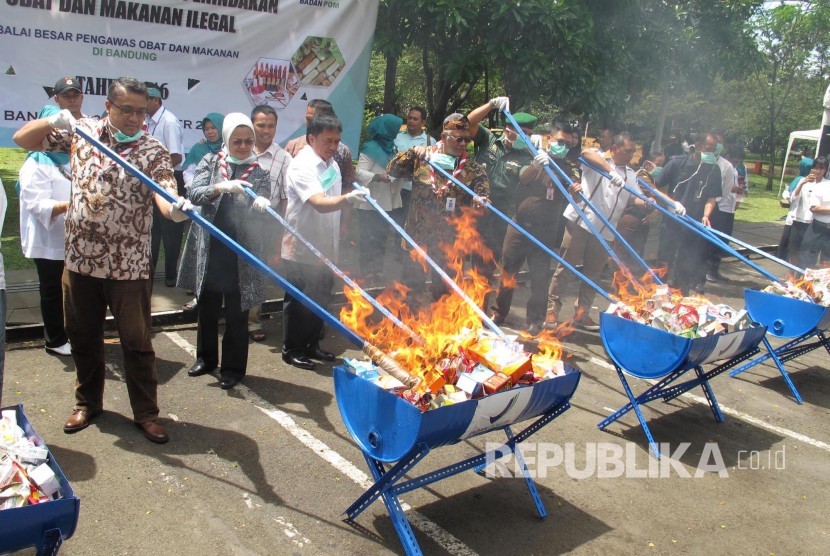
637, 295
447, 326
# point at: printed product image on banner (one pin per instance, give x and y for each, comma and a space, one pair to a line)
318, 61
272, 81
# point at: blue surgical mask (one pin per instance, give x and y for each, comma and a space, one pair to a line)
557, 150
719, 149
443, 161
656, 171
708, 158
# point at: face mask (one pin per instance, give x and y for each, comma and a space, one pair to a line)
719, 149
518, 144
708, 158
328, 178
122, 137
443, 161
247, 160
656, 171
558, 151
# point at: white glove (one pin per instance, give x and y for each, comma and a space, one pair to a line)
261, 203
616, 179
679, 209
536, 141
540, 160
178, 209
356, 195
500, 103
63, 120
232, 186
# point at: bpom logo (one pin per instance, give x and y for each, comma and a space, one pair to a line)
608, 460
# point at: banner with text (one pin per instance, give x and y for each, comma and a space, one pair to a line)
206, 55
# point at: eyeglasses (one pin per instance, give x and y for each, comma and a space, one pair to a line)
459, 140
240, 142
128, 111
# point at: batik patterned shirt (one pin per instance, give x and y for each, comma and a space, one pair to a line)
427, 221
110, 212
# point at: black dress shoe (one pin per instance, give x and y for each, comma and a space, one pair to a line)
298, 360
200, 368
170, 282
229, 380
318, 354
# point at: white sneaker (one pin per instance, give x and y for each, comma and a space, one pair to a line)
65, 349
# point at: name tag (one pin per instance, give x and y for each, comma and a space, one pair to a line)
551, 194
450, 204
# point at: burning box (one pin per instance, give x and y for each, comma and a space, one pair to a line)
497, 383
501, 356
473, 382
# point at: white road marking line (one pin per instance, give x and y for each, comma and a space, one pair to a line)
437, 533
734, 413
291, 532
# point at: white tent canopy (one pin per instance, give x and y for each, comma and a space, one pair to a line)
809, 135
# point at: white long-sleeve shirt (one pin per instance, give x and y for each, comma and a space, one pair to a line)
41, 187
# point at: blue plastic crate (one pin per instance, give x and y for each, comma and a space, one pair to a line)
43, 525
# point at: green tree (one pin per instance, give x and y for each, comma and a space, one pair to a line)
792, 41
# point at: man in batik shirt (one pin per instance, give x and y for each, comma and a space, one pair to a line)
436, 201
108, 247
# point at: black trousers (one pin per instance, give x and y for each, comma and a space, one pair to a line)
798, 244
816, 244
234, 340
300, 327
783, 243
49, 275
515, 251
685, 254
167, 232
722, 222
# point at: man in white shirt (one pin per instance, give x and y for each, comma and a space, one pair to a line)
579, 245
274, 159
414, 136
723, 217
314, 201
165, 126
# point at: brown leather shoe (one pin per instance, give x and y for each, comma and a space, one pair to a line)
80, 419
154, 431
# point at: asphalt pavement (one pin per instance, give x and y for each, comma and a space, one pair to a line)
268, 467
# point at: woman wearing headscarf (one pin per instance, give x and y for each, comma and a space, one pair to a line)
45, 189
794, 203
218, 188
375, 154
212, 143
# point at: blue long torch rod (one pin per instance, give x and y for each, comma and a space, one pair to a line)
529, 146
698, 228
435, 266
337, 271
